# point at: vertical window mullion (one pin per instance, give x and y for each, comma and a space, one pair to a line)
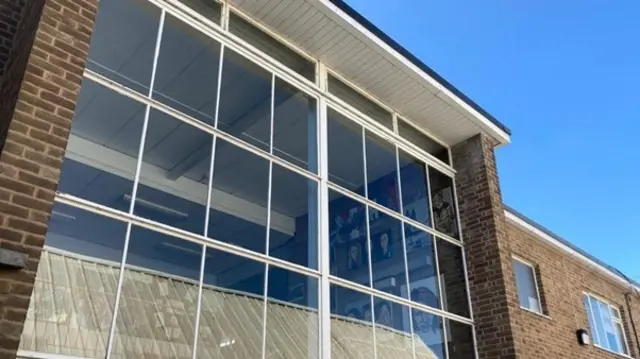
593, 318
323, 227
135, 186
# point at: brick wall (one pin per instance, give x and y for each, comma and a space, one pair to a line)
563, 279
42, 81
492, 292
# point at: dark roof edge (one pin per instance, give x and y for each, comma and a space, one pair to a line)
342, 5
548, 232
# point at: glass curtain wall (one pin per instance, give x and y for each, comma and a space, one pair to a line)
187, 223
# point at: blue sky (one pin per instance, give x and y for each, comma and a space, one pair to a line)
565, 77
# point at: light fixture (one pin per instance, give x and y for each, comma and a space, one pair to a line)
583, 337
156, 207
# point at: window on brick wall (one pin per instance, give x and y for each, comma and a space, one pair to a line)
605, 323
527, 285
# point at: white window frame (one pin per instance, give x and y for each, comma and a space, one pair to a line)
614, 320
535, 283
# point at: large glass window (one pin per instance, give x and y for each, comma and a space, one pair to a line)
208, 196
423, 141
607, 330
527, 286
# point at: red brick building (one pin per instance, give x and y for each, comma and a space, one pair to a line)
242, 179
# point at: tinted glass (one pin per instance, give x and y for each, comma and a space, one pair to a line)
460, 340
76, 280
351, 324
387, 253
393, 329
239, 199
187, 71
232, 307
454, 290
348, 238
421, 261
382, 172
423, 141
443, 204
413, 180
245, 100
346, 160
295, 135
210, 9
429, 335
294, 202
102, 153
360, 102
123, 42
272, 47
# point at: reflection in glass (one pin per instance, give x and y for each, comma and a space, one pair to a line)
460, 340
382, 172
428, 334
292, 315
74, 292
173, 178
387, 253
443, 203
360, 102
232, 307
100, 160
212, 10
157, 311
423, 275
348, 238
187, 71
270, 46
415, 191
123, 42
239, 199
346, 160
295, 135
450, 262
393, 330
351, 324
245, 100
294, 204
421, 140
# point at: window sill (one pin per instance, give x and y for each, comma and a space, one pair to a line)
535, 313
621, 355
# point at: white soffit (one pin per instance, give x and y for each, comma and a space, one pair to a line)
326, 32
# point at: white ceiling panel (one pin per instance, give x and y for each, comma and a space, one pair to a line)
327, 33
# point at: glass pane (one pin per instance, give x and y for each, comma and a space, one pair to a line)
428, 334
443, 203
423, 141
158, 298
363, 104
295, 129
294, 218
232, 307
173, 179
292, 315
525, 281
123, 42
346, 160
382, 172
245, 100
210, 9
599, 325
592, 326
239, 199
272, 47
413, 180
393, 330
609, 329
423, 275
620, 339
187, 71
460, 340
454, 288
348, 239
351, 324
71, 306
387, 253
101, 157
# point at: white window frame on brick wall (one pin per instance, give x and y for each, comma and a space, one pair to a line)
532, 267
615, 320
